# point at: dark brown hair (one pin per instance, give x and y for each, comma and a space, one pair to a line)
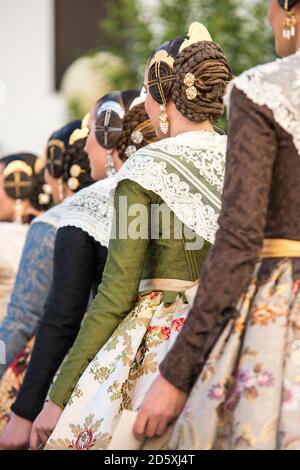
33, 186
109, 138
76, 155
207, 62
135, 120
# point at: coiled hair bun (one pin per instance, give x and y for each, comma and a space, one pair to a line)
192, 73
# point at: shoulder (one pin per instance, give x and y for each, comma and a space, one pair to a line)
272, 87
263, 83
193, 140
53, 216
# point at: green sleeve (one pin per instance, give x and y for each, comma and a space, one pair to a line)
116, 294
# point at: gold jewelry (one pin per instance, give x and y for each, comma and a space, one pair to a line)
53, 159
191, 90
18, 210
197, 33
163, 119
162, 56
60, 190
110, 167
39, 165
45, 195
137, 137
289, 24
56, 143
16, 168
44, 199
130, 150
76, 170
73, 183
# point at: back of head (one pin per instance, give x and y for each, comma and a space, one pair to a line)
193, 72
66, 157
23, 179
110, 112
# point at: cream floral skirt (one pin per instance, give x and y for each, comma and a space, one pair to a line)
120, 374
248, 394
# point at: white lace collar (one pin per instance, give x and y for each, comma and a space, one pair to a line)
53, 216
277, 86
91, 210
187, 172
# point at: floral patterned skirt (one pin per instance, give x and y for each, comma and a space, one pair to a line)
11, 382
120, 374
248, 394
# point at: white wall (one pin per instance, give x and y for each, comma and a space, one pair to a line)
30, 109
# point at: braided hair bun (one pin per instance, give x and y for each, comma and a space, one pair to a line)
137, 132
199, 95
194, 78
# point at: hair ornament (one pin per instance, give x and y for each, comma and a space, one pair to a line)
197, 33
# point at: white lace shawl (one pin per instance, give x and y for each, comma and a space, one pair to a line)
187, 172
92, 210
54, 215
277, 86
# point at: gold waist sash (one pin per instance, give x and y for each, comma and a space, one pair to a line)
280, 248
188, 288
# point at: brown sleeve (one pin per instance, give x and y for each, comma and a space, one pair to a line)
231, 261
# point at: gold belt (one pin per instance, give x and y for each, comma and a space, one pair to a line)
280, 248
188, 288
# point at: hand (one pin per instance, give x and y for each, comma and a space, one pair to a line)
16, 434
44, 425
162, 403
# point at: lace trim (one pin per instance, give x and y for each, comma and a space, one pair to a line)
277, 86
53, 216
91, 210
187, 173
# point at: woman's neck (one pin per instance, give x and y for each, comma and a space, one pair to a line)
179, 124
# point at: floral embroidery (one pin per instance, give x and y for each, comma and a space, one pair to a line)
216, 392
87, 436
264, 314
77, 393
177, 324
291, 396
119, 375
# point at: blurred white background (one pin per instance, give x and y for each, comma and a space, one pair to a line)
30, 108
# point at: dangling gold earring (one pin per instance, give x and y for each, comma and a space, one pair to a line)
60, 190
289, 24
163, 119
110, 166
18, 211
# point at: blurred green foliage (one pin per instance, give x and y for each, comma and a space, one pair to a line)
133, 28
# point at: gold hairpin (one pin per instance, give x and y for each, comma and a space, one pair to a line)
191, 90
17, 166
162, 56
39, 165
197, 33
57, 143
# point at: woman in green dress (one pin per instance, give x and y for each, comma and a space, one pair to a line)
167, 203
